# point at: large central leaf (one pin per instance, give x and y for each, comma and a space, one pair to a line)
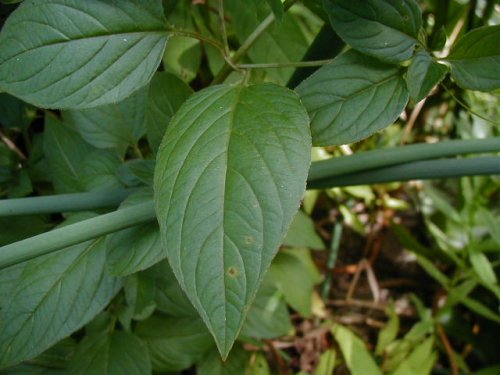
79, 54
230, 174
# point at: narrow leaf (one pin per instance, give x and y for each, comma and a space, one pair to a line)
351, 98
54, 296
385, 29
475, 59
111, 354
357, 357
229, 177
423, 74
80, 54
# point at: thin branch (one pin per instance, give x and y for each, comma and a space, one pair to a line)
223, 32
448, 349
12, 146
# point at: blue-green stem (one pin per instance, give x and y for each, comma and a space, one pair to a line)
64, 202
75, 233
366, 160
418, 170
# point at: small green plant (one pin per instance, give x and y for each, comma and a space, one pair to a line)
197, 120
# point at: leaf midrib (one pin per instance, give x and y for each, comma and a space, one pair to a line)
97, 37
56, 284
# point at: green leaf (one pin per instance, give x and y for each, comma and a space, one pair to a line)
423, 74
99, 171
351, 98
51, 362
259, 365
475, 58
55, 295
169, 297
302, 233
116, 125
357, 357
268, 316
212, 364
277, 8
174, 343
285, 43
78, 54
136, 172
326, 363
482, 267
20, 227
389, 332
491, 370
182, 57
295, 274
229, 177
166, 94
65, 151
385, 29
14, 113
140, 290
136, 248
420, 361
491, 222
111, 354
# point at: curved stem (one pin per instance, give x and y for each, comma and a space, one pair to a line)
418, 170
69, 235
259, 30
63, 202
467, 108
202, 38
396, 155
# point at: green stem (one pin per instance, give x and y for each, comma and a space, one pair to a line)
418, 170
69, 235
63, 202
258, 31
397, 155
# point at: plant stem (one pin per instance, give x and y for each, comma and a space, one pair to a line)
63, 202
397, 155
69, 235
223, 27
418, 170
258, 31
